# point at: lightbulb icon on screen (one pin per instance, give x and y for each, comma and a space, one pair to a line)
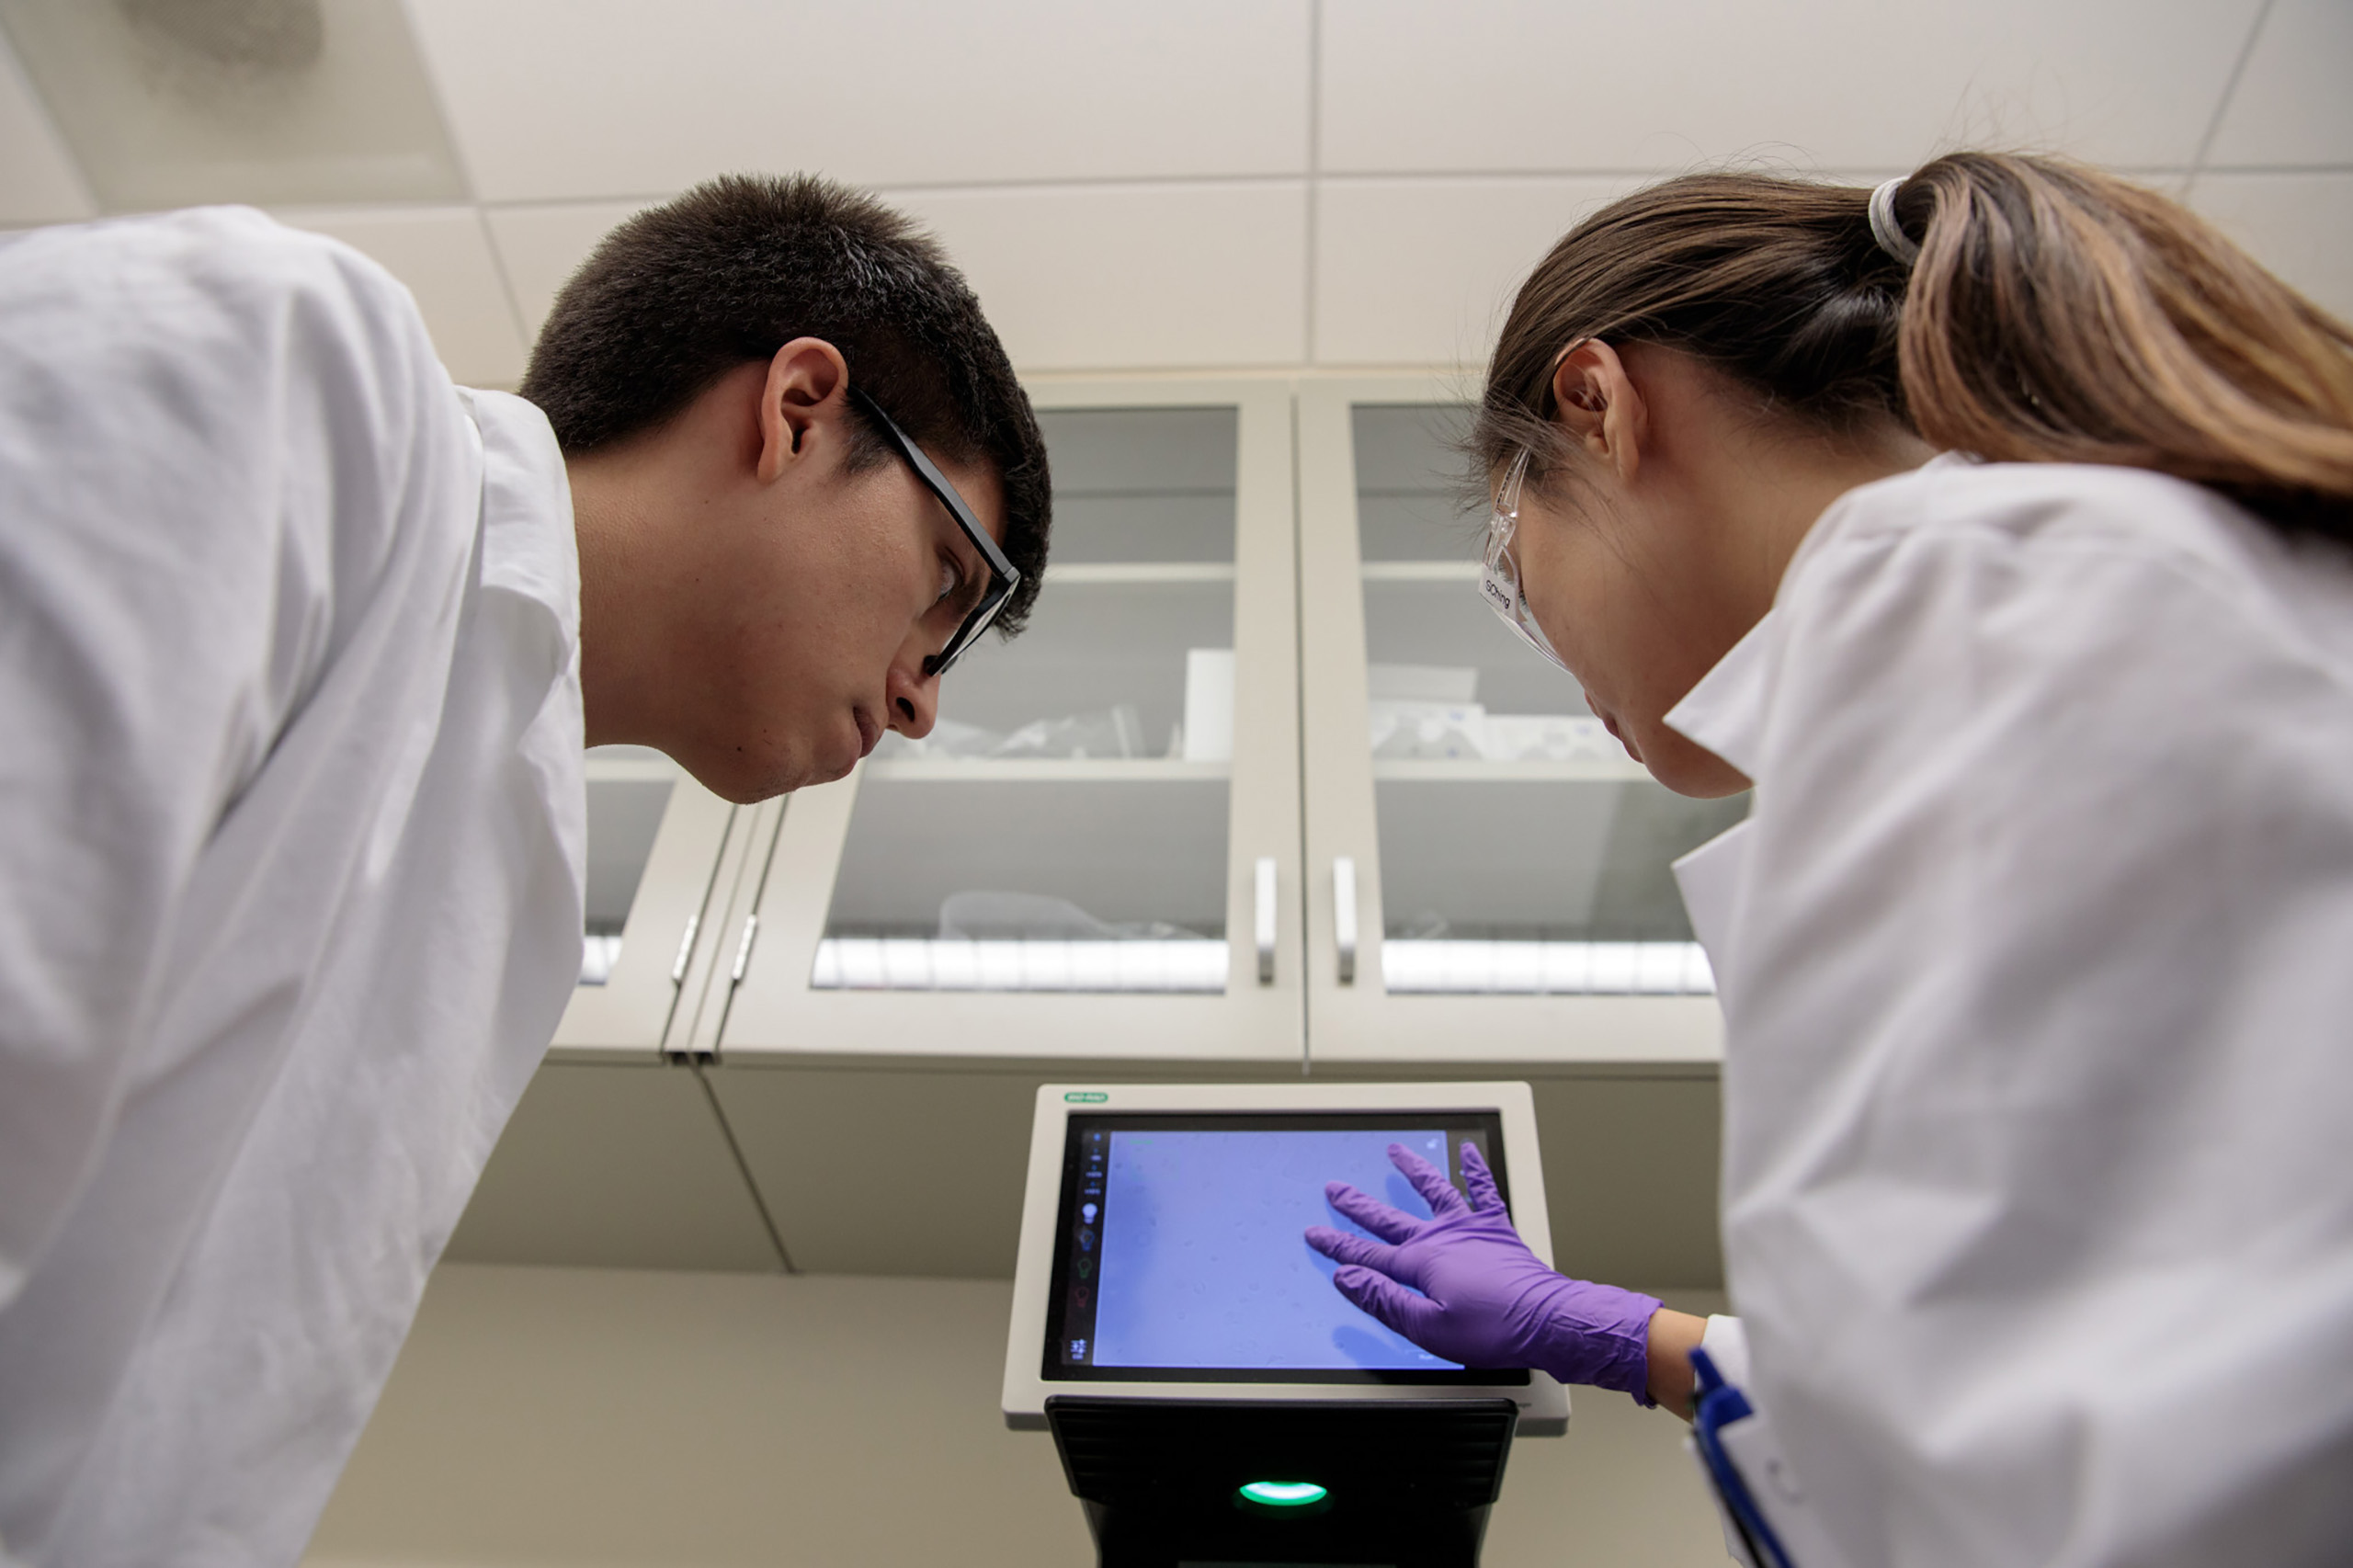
1086, 1212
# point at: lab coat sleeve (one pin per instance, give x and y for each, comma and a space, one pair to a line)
201, 418
2044, 1248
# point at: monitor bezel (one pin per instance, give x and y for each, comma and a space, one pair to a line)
1545, 1404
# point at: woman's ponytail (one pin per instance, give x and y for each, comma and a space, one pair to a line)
2052, 314
2059, 314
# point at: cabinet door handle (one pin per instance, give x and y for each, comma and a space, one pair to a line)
1265, 921
1344, 915
744, 949
686, 948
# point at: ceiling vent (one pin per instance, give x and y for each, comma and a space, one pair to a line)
170, 103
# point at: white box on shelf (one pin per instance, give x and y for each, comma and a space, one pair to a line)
1208, 705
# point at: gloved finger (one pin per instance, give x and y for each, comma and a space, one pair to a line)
1388, 1224
1430, 1182
1361, 1251
1389, 1303
1484, 1198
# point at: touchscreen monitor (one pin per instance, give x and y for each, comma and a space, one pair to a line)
1178, 1250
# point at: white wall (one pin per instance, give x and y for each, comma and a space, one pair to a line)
549, 1417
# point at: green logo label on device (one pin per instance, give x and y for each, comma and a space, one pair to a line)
1087, 1096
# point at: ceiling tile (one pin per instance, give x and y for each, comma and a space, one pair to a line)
444, 257
2294, 103
2299, 225
1421, 271
555, 99
1504, 85
542, 245
1133, 276
1061, 269
38, 183
170, 104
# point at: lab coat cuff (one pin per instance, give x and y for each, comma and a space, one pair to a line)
1726, 1343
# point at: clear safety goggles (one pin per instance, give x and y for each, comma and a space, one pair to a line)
1500, 584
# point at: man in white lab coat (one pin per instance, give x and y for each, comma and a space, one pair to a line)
299, 647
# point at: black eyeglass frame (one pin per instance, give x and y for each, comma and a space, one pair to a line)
1005, 575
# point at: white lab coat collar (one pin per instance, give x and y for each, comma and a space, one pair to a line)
528, 546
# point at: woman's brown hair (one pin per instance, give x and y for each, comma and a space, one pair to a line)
2054, 314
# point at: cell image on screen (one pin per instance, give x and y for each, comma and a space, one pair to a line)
1202, 1260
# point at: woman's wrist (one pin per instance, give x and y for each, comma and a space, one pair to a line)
1672, 1336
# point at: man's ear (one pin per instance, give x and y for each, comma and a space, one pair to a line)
1599, 408
807, 388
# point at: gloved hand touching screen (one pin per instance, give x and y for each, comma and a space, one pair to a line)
1484, 1300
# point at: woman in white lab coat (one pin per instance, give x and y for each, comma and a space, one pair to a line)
2036, 951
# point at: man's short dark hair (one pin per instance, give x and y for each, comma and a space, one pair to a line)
737, 268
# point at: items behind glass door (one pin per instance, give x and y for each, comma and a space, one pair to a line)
1204, 734
1036, 881
1055, 921
1114, 732
999, 940
1430, 713
1541, 886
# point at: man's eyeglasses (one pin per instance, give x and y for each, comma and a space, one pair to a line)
1500, 584
1004, 577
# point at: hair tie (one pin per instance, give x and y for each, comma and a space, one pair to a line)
1886, 230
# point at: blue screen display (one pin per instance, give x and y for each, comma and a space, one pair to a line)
1202, 1260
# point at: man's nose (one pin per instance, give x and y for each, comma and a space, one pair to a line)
914, 701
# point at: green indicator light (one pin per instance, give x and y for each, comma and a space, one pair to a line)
1283, 1493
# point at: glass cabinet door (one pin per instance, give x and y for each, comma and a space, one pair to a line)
1504, 864
1087, 824
654, 837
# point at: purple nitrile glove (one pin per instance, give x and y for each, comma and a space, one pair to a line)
1485, 1300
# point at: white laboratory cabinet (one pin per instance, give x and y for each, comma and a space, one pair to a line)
1264, 784
1263, 789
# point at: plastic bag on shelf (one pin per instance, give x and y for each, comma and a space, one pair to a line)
1440, 731
1423, 732
1549, 737
948, 738
1114, 732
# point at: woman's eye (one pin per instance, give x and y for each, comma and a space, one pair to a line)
949, 578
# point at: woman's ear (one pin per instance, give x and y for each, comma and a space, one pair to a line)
1598, 407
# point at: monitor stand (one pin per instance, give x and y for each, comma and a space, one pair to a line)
1406, 1485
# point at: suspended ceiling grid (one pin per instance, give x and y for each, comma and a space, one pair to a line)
1236, 183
